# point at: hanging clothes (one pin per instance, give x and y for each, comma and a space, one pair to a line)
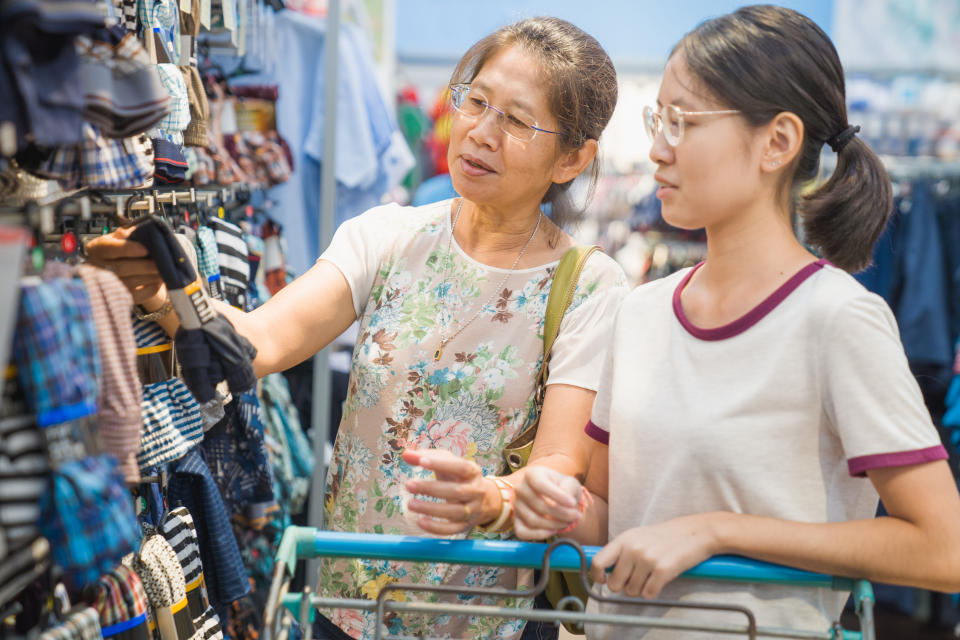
371, 154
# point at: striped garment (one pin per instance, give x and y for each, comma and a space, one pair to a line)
148, 334
24, 477
154, 352
178, 528
209, 626
120, 395
171, 423
233, 258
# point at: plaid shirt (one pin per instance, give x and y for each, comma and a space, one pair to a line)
179, 117
208, 260
83, 625
119, 597
55, 348
87, 515
104, 163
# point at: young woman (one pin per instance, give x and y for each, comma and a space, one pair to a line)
451, 299
760, 402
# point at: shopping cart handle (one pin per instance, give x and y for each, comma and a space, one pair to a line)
307, 542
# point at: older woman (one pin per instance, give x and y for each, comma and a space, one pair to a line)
451, 298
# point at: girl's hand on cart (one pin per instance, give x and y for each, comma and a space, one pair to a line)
645, 559
547, 502
468, 498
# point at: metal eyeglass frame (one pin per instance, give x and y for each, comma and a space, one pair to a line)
463, 88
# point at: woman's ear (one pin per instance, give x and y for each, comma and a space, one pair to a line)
570, 164
782, 140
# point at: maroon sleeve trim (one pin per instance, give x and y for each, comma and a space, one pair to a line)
600, 435
860, 465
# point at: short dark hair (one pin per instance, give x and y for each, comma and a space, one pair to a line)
764, 60
581, 86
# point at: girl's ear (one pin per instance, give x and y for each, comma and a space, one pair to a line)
783, 138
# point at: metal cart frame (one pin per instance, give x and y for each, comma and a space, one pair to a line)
306, 542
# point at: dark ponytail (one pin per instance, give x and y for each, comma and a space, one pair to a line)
845, 215
764, 60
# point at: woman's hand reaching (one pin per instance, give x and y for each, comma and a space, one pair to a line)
128, 259
467, 497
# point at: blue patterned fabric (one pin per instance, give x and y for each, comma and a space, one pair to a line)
172, 424
55, 349
192, 486
237, 455
87, 515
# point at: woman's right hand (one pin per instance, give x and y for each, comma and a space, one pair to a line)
547, 502
129, 261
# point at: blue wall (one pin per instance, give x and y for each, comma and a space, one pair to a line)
638, 32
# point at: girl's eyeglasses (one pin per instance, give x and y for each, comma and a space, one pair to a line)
670, 120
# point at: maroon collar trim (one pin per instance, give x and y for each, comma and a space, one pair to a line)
750, 318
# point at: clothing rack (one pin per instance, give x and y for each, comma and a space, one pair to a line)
42, 214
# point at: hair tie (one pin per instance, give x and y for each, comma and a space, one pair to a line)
839, 141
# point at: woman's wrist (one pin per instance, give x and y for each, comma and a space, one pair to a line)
154, 313
504, 517
491, 502
718, 525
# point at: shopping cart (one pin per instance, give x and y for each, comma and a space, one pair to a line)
307, 542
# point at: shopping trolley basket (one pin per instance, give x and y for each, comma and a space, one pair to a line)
307, 542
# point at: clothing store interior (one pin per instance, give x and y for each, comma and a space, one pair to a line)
158, 486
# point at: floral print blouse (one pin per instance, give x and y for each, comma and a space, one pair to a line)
409, 281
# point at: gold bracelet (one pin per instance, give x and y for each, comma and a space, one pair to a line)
153, 316
506, 507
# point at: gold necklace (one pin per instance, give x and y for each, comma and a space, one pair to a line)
444, 339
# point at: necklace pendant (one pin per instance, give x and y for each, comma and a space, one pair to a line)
438, 353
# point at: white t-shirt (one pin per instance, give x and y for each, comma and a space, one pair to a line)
777, 414
409, 281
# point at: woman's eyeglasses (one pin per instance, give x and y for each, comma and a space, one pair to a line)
473, 104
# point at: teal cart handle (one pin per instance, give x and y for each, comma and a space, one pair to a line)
307, 542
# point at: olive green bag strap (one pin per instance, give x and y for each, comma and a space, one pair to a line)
565, 278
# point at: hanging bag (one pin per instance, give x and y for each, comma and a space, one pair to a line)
517, 453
